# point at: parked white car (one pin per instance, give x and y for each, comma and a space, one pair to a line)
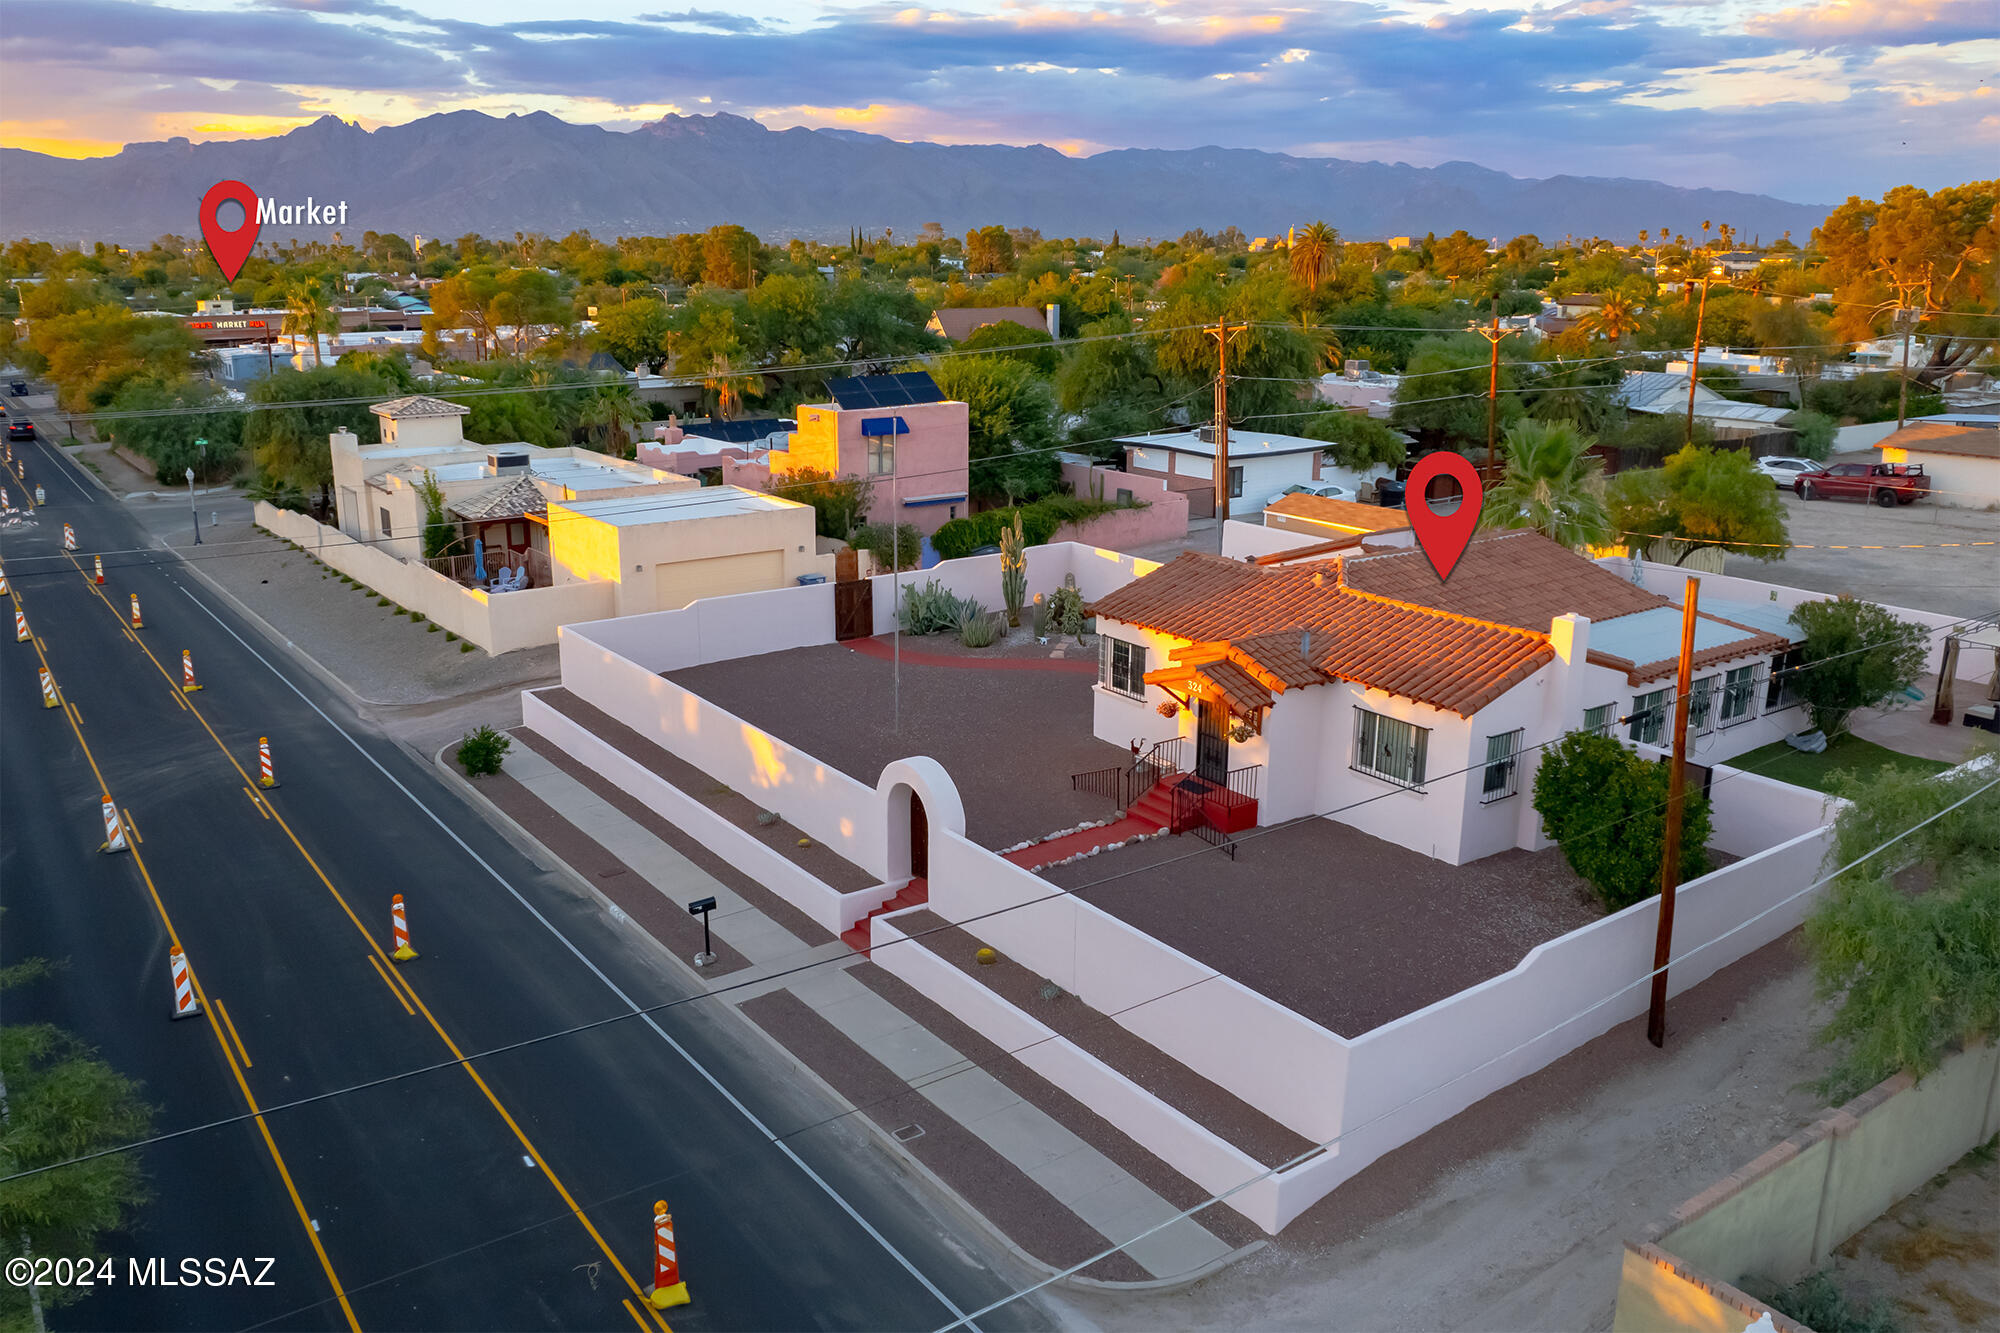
1331, 490
1785, 471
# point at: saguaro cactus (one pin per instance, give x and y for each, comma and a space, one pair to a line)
1013, 569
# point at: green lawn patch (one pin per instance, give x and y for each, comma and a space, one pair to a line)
1844, 754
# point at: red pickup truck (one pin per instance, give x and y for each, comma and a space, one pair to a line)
1887, 484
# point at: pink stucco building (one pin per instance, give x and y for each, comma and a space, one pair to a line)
897, 432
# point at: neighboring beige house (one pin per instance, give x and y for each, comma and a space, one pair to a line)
1963, 462
544, 537
960, 322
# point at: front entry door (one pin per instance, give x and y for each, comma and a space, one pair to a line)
920, 839
1211, 741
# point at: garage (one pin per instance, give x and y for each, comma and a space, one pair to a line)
683, 581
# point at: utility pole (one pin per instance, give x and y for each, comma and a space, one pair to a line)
1493, 335
1907, 318
1222, 333
1694, 361
1670, 853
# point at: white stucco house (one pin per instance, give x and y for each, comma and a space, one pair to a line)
1963, 462
1261, 463
1368, 691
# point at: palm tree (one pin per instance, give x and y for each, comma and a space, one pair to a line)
306, 312
1551, 484
608, 413
1614, 317
1313, 254
731, 386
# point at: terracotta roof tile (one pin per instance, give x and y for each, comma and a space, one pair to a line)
1447, 660
1511, 578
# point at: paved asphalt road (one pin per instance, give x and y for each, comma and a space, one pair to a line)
514, 1192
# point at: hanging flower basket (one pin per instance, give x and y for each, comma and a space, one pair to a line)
1168, 708
1240, 732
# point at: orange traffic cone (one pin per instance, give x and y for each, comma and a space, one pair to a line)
100, 569
185, 1005
49, 699
69, 538
114, 829
265, 778
668, 1289
187, 671
21, 634
399, 932
136, 622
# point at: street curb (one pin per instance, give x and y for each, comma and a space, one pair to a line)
533, 847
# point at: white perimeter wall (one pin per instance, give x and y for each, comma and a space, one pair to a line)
497, 622
1365, 1094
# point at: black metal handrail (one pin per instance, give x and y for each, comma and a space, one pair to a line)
1124, 785
1191, 816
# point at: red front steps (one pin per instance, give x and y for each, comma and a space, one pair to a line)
914, 894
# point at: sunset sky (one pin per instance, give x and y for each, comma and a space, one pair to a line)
1810, 102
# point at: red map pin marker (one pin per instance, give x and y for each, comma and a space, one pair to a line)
230, 248
1443, 536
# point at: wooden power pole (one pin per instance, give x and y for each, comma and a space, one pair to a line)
1222, 333
1493, 335
1670, 852
1694, 361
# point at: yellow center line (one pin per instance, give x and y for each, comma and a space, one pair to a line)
635, 1316
215, 1029
390, 984
254, 801
228, 1023
376, 951
131, 827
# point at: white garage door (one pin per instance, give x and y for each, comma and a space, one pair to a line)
718, 576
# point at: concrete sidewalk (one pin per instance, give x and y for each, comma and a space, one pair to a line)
1032, 1176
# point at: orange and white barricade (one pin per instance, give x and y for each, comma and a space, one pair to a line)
185, 1005
21, 634
100, 569
399, 932
49, 697
69, 538
265, 777
187, 671
668, 1288
114, 828
136, 622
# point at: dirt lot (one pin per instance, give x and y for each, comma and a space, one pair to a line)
1958, 582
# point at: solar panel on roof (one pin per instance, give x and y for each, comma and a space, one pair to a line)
900, 390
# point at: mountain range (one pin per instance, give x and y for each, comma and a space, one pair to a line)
465, 171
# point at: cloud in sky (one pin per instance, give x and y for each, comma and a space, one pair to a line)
1810, 102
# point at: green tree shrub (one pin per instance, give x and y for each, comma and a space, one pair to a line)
1855, 655
838, 503
904, 546
1812, 435
1906, 944
481, 752
1607, 809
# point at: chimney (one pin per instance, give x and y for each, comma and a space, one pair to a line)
1055, 322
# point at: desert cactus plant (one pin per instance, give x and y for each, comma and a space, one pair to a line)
1013, 569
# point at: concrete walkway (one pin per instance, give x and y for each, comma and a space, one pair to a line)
1054, 1161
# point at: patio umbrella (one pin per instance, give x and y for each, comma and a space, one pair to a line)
479, 560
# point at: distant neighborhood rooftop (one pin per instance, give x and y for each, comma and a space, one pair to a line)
1346, 516
418, 405
1242, 443
960, 322
860, 392
1938, 437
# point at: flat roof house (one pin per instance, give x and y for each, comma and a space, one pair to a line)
1361, 688
899, 433
1963, 462
1261, 463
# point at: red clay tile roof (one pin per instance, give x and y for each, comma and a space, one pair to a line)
1446, 660
1243, 692
1940, 437
1510, 578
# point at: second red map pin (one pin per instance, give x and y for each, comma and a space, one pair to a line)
230, 248
1443, 536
